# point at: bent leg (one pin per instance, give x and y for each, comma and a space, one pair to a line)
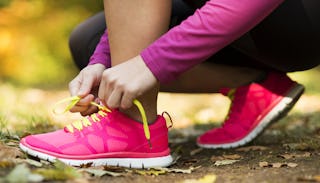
84, 39
132, 26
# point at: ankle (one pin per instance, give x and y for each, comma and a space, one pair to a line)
135, 114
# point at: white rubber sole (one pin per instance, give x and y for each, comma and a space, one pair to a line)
277, 112
121, 162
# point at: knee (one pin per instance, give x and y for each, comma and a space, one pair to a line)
84, 38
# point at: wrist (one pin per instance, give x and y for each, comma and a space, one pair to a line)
97, 65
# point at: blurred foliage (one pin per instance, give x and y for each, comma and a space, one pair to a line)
34, 40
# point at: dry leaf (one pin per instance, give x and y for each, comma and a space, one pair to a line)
195, 151
290, 156
60, 172
216, 158
8, 152
252, 148
263, 164
21, 173
159, 171
6, 164
100, 172
87, 165
297, 146
114, 168
310, 178
190, 162
29, 161
292, 165
277, 165
232, 156
151, 172
205, 179
225, 162
225, 157
177, 170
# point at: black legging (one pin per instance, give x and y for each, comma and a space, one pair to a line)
287, 40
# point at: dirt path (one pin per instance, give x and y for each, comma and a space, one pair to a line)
279, 155
287, 152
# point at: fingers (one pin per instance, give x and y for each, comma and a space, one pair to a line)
92, 109
81, 86
126, 101
86, 86
114, 94
115, 98
83, 105
74, 86
86, 80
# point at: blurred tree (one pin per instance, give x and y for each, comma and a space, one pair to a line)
34, 40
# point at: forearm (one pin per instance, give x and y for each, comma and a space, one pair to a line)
211, 28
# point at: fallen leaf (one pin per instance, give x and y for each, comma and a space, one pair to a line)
160, 171
60, 172
29, 162
87, 165
13, 144
263, 164
21, 173
175, 159
151, 172
290, 156
195, 151
315, 178
225, 162
232, 156
297, 146
177, 170
114, 168
189, 162
6, 164
100, 172
225, 157
277, 165
216, 158
252, 148
206, 179
8, 152
292, 165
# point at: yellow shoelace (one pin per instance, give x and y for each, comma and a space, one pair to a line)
79, 125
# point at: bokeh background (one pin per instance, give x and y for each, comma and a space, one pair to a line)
36, 66
34, 40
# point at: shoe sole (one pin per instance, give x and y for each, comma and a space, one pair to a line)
139, 163
276, 113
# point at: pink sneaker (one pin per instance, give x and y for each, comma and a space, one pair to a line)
104, 138
253, 108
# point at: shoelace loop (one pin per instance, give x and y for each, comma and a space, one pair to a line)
103, 110
167, 114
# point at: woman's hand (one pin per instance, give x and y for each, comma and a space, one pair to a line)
123, 83
85, 85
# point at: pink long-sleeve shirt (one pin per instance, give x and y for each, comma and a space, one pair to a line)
209, 29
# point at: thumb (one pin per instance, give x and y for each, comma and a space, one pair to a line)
86, 86
74, 86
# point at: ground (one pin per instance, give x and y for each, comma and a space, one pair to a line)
288, 151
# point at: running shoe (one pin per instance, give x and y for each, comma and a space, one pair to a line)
107, 137
253, 108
